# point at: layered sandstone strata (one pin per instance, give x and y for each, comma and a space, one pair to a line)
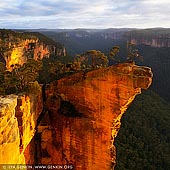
18, 118
86, 109
30, 48
79, 122
17, 47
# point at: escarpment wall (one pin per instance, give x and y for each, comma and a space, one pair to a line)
151, 39
18, 116
31, 48
153, 42
85, 110
9, 131
81, 118
17, 47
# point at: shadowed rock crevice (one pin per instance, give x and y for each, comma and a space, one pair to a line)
68, 109
2, 60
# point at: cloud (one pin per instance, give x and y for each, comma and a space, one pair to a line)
89, 13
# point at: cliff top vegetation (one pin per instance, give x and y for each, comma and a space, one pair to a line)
22, 77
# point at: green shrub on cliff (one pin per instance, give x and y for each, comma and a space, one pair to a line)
20, 78
34, 88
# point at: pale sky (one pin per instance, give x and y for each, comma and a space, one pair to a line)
84, 14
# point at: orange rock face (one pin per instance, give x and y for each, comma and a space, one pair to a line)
18, 117
85, 109
29, 47
19, 52
9, 131
83, 118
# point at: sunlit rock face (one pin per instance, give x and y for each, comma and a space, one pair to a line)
9, 131
30, 49
18, 117
83, 118
85, 109
17, 47
20, 52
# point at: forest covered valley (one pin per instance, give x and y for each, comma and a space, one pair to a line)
143, 141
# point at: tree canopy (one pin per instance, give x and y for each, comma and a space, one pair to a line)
19, 78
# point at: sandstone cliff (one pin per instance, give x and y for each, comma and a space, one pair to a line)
85, 111
151, 37
16, 48
18, 117
153, 42
79, 121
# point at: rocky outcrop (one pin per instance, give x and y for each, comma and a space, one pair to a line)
85, 110
9, 131
16, 48
18, 117
80, 121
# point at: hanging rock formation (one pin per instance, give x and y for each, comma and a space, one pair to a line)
83, 118
85, 109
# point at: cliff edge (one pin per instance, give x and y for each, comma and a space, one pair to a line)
79, 121
18, 47
18, 119
86, 109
